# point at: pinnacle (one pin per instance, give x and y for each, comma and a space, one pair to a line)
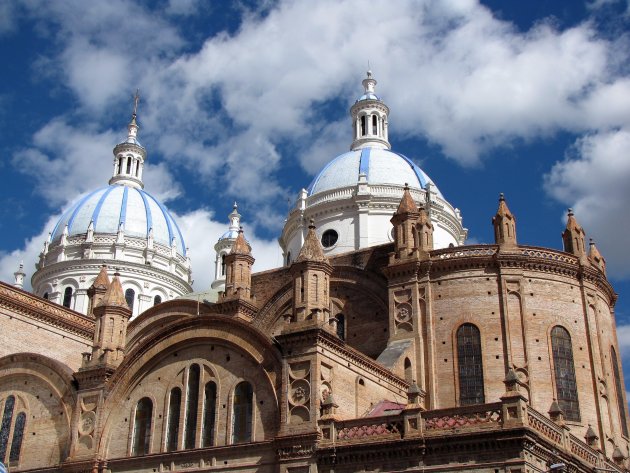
503, 210
240, 246
572, 223
114, 295
312, 249
102, 280
407, 204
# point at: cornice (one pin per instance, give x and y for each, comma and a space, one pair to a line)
24, 303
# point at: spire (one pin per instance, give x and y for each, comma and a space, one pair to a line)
370, 118
129, 156
407, 204
114, 297
504, 225
595, 256
235, 218
19, 276
574, 237
311, 249
102, 280
238, 277
98, 289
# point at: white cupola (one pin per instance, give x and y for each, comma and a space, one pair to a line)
129, 155
369, 118
223, 246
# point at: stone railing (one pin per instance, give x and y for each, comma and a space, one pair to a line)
547, 254
464, 251
507, 414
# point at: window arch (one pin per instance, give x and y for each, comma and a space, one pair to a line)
242, 413
130, 296
142, 427
374, 125
67, 297
470, 365
363, 125
5, 427
157, 300
209, 410
172, 425
564, 372
129, 165
618, 388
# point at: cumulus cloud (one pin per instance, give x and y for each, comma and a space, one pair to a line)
593, 179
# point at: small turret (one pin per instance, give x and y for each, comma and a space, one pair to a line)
311, 272
424, 233
574, 238
97, 290
504, 225
238, 263
223, 247
369, 118
405, 232
19, 276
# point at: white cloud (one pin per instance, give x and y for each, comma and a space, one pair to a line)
593, 179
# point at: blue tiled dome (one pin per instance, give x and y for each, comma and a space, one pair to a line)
381, 166
108, 206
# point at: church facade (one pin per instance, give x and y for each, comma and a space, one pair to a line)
391, 346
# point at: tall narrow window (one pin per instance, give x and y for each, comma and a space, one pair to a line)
45, 295
374, 125
363, 127
119, 166
174, 406
18, 435
192, 401
5, 427
223, 265
289, 258
566, 386
137, 167
130, 295
242, 413
209, 403
408, 371
620, 403
157, 300
128, 165
142, 427
341, 326
67, 297
470, 365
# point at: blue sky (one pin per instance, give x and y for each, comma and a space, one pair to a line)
247, 100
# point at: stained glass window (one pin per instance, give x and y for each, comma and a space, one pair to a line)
209, 403
620, 403
18, 435
566, 386
242, 413
5, 427
174, 406
470, 365
142, 427
192, 400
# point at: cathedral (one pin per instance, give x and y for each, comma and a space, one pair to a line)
383, 344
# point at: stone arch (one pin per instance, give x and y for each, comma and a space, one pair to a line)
47, 395
213, 336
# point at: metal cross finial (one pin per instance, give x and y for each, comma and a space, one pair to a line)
136, 99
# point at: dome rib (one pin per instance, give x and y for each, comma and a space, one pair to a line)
77, 208
147, 211
99, 206
123, 207
364, 162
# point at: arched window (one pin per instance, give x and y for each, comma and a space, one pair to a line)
242, 413
289, 258
67, 297
119, 169
223, 265
374, 125
408, 371
5, 427
341, 326
142, 427
209, 405
566, 386
157, 300
174, 406
130, 295
470, 365
620, 403
192, 401
129, 165
137, 168
363, 127
18, 435
45, 296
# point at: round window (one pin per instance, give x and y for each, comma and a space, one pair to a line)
329, 238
